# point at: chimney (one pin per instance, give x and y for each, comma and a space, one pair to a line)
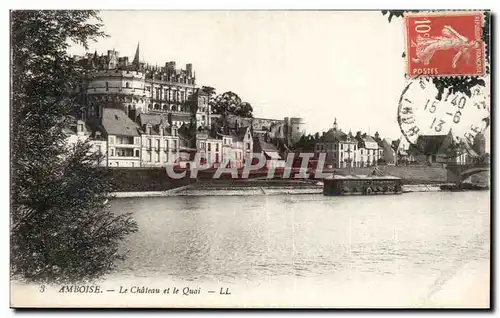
189, 69
171, 65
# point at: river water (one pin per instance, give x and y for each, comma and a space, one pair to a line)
311, 250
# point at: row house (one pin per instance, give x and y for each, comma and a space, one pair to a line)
160, 141
79, 131
237, 145
262, 146
209, 147
402, 154
369, 151
341, 149
114, 135
124, 139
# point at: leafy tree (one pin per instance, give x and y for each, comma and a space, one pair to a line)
61, 226
210, 91
230, 103
244, 110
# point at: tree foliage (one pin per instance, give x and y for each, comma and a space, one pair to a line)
230, 103
462, 84
61, 226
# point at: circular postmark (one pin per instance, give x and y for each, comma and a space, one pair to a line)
450, 124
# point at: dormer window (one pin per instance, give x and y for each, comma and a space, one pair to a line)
148, 129
174, 131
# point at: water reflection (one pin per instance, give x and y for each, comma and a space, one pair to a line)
258, 237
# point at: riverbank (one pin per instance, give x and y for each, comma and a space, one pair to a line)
157, 180
251, 190
154, 182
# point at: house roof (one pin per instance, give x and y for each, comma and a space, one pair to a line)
180, 117
334, 135
116, 122
370, 142
395, 144
434, 144
262, 146
153, 119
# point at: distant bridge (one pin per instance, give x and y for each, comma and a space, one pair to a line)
458, 173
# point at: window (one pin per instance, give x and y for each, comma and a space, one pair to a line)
157, 156
166, 156
107, 85
80, 127
137, 140
209, 146
136, 153
99, 151
166, 145
148, 130
150, 143
216, 147
158, 143
341, 146
175, 144
127, 85
112, 152
112, 139
174, 131
248, 146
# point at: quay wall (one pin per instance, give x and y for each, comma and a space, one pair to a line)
409, 174
156, 179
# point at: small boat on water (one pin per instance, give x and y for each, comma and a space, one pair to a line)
361, 185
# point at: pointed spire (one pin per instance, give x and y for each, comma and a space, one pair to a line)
335, 126
136, 56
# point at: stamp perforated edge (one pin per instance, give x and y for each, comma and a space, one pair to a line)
407, 14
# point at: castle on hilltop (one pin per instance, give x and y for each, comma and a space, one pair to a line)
140, 115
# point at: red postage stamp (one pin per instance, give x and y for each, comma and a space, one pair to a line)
445, 44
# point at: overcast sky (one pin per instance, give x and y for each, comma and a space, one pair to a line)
312, 64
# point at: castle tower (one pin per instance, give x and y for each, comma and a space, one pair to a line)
295, 129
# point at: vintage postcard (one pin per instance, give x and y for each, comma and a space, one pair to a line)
250, 159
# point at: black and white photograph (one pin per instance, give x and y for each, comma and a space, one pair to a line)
250, 159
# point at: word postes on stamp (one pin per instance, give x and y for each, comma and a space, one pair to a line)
462, 116
445, 44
